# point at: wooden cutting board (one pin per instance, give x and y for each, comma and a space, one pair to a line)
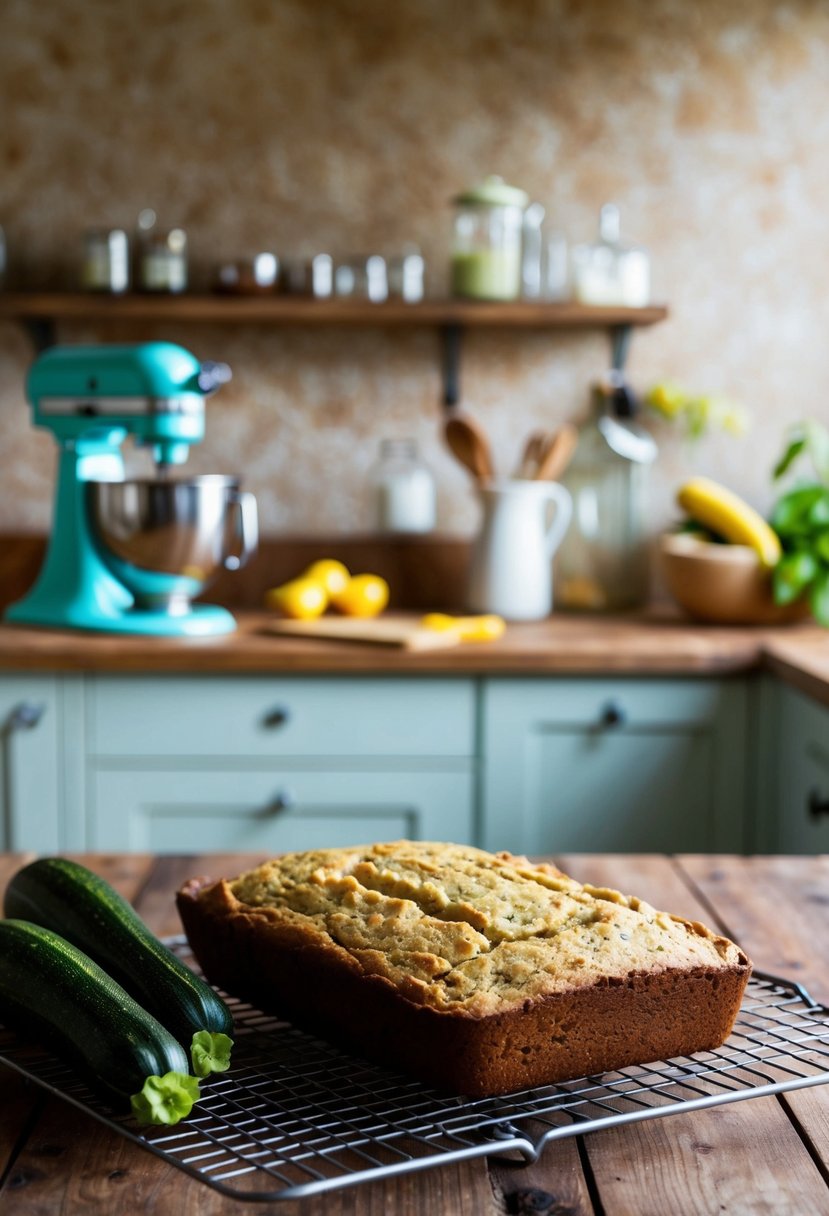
399, 633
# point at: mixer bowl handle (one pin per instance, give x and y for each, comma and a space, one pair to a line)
245, 504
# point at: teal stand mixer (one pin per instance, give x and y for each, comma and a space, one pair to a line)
129, 556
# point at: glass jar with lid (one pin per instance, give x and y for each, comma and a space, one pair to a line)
402, 489
486, 249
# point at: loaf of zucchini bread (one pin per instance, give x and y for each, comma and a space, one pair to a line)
479, 973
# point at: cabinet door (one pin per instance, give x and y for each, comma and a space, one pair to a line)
192, 811
613, 766
30, 808
802, 775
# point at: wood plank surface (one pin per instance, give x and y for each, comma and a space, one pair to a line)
656, 645
742, 1159
778, 908
685, 1163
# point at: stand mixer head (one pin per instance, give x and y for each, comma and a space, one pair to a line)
128, 556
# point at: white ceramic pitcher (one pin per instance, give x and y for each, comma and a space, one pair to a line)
512, 557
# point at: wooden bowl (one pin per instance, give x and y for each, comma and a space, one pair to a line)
722, 584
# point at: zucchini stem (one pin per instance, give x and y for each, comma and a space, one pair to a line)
165, 1100
210, 1052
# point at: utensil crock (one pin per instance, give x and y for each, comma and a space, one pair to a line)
512, 558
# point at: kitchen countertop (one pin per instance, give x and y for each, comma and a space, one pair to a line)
658, 642
767, 1154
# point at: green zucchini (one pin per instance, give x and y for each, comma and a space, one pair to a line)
69, 899
54, 993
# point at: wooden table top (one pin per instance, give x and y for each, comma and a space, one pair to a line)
768, 1154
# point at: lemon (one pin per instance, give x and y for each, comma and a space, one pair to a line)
303, 599
363, 595
332, 574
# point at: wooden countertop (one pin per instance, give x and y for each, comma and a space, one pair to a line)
658, 642
767, 1154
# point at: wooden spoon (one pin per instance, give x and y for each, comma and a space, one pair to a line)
470, 446
558, 454
533, 450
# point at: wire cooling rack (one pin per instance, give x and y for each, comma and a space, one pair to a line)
295, 1116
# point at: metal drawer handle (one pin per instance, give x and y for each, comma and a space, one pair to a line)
25, 716
612, 716
283, 800
817, 806
276, 717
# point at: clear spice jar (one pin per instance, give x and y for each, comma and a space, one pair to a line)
487, 244
402, 489
106, 261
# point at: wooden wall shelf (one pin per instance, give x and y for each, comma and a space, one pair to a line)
40, 313
287, 310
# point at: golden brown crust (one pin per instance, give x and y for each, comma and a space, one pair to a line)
638, 1011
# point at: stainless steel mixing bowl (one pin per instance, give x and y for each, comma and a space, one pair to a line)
167, 540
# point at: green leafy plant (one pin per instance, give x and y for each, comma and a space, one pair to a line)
801, 520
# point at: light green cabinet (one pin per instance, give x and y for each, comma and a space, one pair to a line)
533, 764
30, 760
230, 763
620, 765
796, 772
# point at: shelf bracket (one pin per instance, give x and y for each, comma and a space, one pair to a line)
42, 331
451, 336
620, 336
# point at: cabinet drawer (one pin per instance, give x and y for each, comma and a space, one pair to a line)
187, 812
228, 717
604, 704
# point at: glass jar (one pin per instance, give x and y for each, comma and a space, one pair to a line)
603, 563
402, 489
362, 278
106, 261
162, 256
610, 272
407, 276
486, 249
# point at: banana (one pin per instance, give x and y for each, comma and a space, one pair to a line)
729, 516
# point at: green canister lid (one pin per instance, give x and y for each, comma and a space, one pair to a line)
492, 192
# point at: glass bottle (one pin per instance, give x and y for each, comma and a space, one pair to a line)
486, 249
610, 272
402, 489
603, 562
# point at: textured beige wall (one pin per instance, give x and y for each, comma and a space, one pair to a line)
347, 125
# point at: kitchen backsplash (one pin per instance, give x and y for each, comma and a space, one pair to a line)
348, 126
